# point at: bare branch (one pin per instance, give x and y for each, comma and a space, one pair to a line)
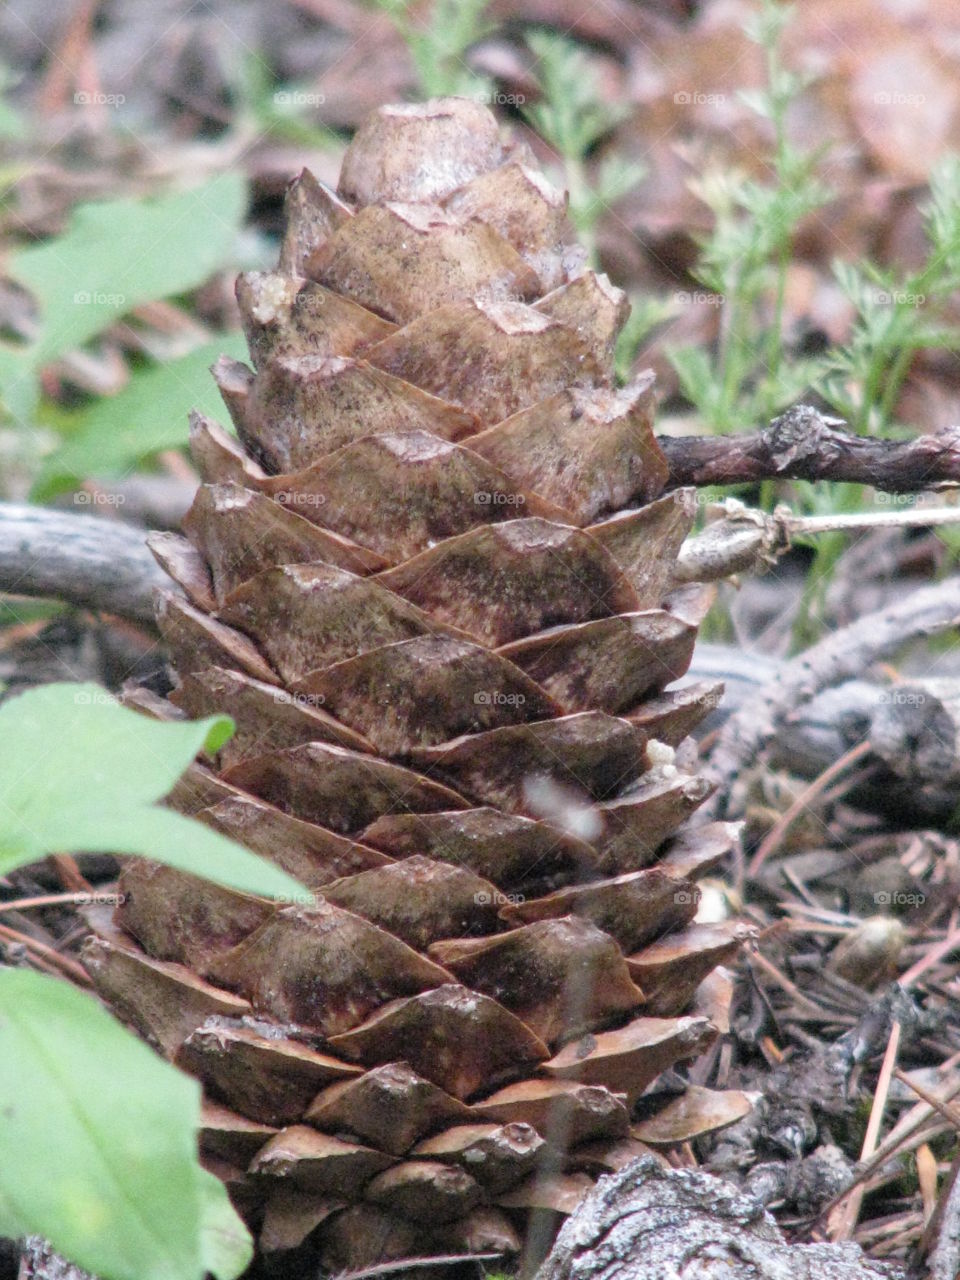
104, 564
99, 564
802, 444
744, 540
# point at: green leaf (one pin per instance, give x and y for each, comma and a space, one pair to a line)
646, 313
78, 771
12, 124
19, 392
695, 372
225, 1245
99, 1143
438, 40
114, 433
117, 254
178, 841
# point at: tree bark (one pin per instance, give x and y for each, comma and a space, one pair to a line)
650, 1223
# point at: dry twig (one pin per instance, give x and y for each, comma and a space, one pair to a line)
802, 444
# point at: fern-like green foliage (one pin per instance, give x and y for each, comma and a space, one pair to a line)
744, 259
287, 110
572, 117
439, 40
897, 315
113, 256
570, 114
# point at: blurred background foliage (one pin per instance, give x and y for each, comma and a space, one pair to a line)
778, 190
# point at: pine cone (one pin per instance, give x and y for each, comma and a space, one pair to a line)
428, 585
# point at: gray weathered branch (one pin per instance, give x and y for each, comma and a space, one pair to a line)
745, 540
102, 564
650, 1223
842, 655
99, 564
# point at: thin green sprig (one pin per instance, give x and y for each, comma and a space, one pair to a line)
897, 315
439, 43
744, 260
572, 118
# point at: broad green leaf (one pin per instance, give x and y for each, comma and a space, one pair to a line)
148, 415
12, 1226
12, 124
225, 1245
78, 771
98, 1146
169, 837
19, 390
117, 254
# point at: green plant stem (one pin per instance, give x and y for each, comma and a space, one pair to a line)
775, 334
729, 355
575, 176
895, 378
871, 388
